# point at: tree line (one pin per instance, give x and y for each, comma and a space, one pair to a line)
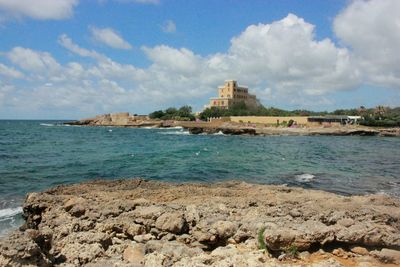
378, 116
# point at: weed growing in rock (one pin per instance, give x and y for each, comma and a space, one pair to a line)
292, 251
261, 241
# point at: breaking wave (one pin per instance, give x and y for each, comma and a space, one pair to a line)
8, 213
304, 178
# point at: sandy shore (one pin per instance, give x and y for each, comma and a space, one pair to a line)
146, 223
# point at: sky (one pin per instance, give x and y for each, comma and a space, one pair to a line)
71, 59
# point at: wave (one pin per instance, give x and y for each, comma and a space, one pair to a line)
304, 178
57, 125
162, 128
8, 213
181, 132
219, 133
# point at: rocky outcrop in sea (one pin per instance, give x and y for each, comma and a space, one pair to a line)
147, 223
124, 119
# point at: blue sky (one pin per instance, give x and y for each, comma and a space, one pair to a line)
71, 59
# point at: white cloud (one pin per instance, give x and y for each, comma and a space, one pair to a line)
372, 31
66, 42
6, 93
109, 37
10, 72
33, 61
286, 56
169, 59
168, 26
38, 9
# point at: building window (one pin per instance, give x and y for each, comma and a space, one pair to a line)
222, 102
228, 95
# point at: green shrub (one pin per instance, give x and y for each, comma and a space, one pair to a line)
182, 114
260, 237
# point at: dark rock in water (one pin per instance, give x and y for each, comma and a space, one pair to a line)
239, 131
227, 131
196, 130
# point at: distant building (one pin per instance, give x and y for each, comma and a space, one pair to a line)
230, 94
333, 120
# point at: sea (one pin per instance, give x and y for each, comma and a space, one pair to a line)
37, 155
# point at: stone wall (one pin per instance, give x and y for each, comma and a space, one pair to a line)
300, 120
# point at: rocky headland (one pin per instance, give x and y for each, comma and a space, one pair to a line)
124, 119
137, 222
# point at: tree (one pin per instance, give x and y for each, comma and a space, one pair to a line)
185, 111
184, 114
158, 114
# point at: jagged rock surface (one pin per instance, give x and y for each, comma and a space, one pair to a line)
147, 223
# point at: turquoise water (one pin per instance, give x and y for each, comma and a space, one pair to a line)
35, 155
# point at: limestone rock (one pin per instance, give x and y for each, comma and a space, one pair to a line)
302, 236
347, 222
359, 250
387, 255
77, 253
143, 238
71, 202
108, 223
134, 254
172, 222
225, 229
172, 249
135, 229
77, 210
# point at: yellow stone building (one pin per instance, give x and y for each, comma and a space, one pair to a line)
230, 93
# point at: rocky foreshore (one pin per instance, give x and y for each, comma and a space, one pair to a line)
147, 223
124, 119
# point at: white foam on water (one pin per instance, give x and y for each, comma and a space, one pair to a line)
219, 133
8, 213
181, 132
166, 128
304, 178
47, 124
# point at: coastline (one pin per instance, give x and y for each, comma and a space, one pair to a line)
234, 128
149, 223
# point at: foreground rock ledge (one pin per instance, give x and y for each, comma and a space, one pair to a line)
146, 223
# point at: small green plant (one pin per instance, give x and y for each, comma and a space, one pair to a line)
292, 251
261, 241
